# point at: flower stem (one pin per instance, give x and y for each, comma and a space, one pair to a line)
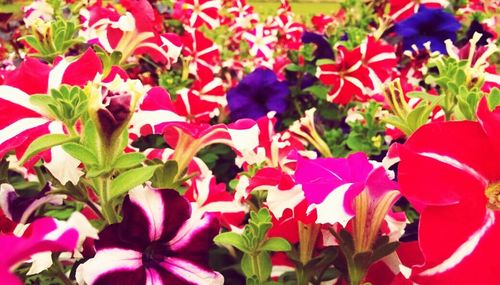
308, 234
104, 185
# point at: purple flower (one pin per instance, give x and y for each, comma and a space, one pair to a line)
258, 93
158, 242
323, 47
21, 209
428, 25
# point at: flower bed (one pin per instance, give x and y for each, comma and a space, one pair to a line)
198, 142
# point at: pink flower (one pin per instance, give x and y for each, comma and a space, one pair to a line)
43, 235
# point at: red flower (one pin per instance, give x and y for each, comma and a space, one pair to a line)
449, 171
347, 76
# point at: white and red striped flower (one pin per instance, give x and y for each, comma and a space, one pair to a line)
199, 12
289, 31
203, 53
206, 196
261, 40
159, 241
449, 172
22, 122
347, 76
130, 33
380, 60
402, 9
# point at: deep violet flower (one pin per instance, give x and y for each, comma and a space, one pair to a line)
428, 25
258, 93
159, 241
323, 47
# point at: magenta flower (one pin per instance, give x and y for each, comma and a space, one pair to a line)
349, 188
43, 235
160, 241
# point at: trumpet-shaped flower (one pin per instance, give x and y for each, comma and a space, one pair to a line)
449, 172
159, 241
43, 235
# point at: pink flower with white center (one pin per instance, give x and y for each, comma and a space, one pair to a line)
202, 12
204, 55
355, 188
159, 241
46, 234
261, 40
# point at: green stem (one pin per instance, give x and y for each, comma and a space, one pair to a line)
104, 185
40, 175
58, 270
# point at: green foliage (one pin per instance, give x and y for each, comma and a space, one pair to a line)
359, 262
255, 245
130, 179
365, 135
459, 85
45, 142
67, 104
54, 38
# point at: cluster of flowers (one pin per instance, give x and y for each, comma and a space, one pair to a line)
198, 142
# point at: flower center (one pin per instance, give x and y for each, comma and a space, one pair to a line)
493, 194
154, 254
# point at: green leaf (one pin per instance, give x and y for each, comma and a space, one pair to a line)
384, 250
233, 239
91, 137
129, 160
276, 244
130, 179
81, 153
493, 98
44, 143
165, 174
318, 90
293, 67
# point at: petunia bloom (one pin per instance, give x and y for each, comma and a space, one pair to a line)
43, 235
449, 172
258, 93
159, 242
355, 188
428, 25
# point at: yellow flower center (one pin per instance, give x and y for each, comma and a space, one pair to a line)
493, 194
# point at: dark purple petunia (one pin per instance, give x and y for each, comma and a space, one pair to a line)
258, 93
323, 47
428, 25
158, 242
21, 209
